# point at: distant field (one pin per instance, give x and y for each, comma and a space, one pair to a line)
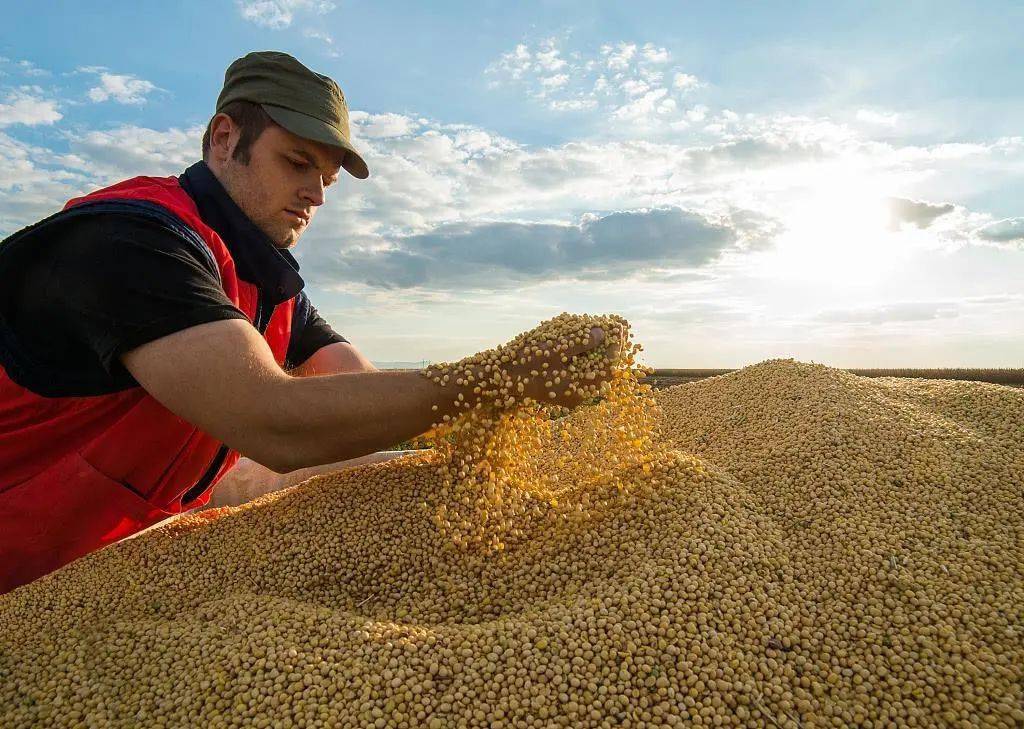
1013, 377
1004, 376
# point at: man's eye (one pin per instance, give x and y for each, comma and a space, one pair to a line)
299, 165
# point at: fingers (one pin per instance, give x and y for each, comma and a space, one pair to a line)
621, 338
597, 337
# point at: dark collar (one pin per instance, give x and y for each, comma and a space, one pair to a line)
257, 259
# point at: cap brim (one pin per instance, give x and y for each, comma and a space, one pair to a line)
312, 128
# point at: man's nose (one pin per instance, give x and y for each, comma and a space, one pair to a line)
314, 193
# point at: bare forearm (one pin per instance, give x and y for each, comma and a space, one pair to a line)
323, 419
222, 377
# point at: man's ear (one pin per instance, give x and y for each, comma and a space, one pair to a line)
223, 138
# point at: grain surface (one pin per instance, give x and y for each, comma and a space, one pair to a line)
792, 546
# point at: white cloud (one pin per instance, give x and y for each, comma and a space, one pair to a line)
623, 79
654, 54
30, 69
878, 118
685, 81
906, 311
554, 82
617, 57
516, 62
543, 65
916, 212
1007, 231
382, 125
35, 183
641, 109
547, 57
279, 14
127, 151
26, 106
697, 114
319, 35
476, 142
124, 88
577, 104
634, 87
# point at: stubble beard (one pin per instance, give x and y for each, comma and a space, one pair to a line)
240, 184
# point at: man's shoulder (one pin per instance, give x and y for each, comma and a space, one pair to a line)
117, 237
160, 196
142, 187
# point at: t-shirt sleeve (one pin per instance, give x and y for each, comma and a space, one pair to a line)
101, 285
310, 332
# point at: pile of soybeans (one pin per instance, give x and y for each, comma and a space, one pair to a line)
785, 546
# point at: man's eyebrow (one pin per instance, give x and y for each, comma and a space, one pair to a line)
305, 155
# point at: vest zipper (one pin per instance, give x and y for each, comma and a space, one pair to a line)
261, 321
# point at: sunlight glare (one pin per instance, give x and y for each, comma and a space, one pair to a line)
837, 230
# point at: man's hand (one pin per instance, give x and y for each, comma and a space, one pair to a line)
536, 374
536, 386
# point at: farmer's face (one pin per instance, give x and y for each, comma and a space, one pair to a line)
282, 184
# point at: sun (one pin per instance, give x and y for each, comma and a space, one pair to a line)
837, 230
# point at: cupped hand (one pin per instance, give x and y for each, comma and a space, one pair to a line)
537, 387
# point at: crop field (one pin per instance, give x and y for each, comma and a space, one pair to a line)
1014, 377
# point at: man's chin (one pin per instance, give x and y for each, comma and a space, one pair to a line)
282, 236
285, 240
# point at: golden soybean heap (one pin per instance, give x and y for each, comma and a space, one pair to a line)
900, 507
852, 557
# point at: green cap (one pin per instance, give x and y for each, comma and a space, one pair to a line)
304, 102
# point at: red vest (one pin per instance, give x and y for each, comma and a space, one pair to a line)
77, 473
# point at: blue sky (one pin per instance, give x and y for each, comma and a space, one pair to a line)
830, 181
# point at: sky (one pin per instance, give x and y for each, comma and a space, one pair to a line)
836, 182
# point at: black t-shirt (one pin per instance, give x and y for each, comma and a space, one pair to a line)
100, 285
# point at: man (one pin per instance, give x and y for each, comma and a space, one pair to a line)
156, 329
